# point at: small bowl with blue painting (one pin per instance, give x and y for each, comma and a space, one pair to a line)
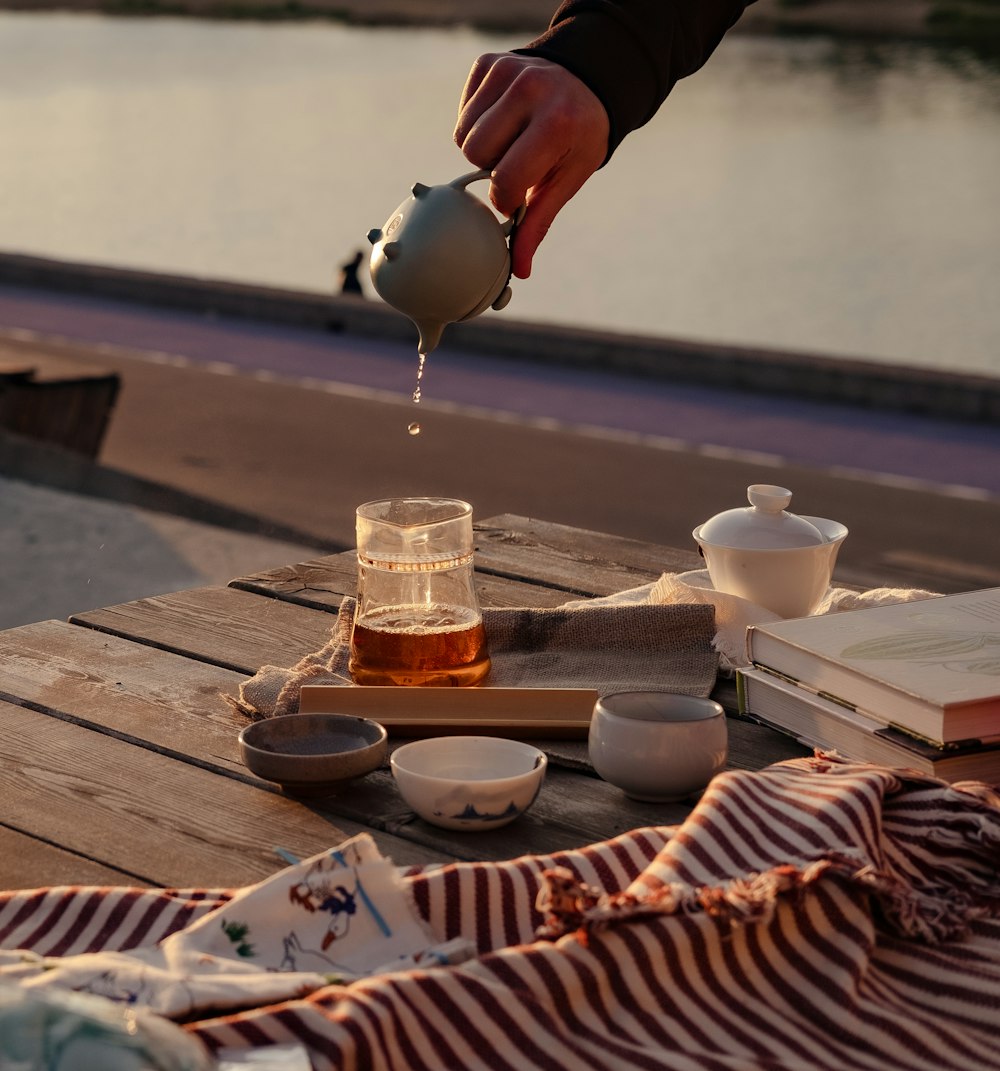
468, 782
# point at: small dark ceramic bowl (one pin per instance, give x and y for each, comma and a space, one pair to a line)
313, 754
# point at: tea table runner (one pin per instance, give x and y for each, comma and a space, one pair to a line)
607, 647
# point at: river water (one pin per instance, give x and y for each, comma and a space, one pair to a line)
800, 193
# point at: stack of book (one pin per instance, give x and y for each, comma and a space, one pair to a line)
912, 685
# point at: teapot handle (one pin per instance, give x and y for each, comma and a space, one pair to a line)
474, 176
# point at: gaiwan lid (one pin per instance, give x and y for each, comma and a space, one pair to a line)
763, 525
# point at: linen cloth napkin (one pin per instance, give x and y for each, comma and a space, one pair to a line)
733, 614
601, 644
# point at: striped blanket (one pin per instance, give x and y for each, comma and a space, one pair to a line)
813, 915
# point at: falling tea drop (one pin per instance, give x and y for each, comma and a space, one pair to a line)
414, 428
422, 357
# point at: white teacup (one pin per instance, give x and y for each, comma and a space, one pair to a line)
658, 746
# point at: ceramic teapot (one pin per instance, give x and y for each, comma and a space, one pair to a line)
442, 257
773, 558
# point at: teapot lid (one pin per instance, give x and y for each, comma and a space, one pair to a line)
764, 525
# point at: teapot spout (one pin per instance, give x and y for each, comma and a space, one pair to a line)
430, 335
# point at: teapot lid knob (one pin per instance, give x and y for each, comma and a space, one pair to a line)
769, 498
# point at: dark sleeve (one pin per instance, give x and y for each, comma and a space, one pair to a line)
632, 52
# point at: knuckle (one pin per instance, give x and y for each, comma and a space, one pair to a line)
480, 65
506, 199
477, 153
490, 63
561, 123
533, 82
504, 187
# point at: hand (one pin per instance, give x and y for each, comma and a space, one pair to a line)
540, 130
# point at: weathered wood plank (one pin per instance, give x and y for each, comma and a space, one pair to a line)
29, 863
520, 562
153, 818
142, 682
173, 704
135, 691
162, 702
157, 819
572, 809
321, 583
753, 746
574, 560
222, 625
142, 692
156, 698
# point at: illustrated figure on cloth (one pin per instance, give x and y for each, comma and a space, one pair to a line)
299, 958
321, 890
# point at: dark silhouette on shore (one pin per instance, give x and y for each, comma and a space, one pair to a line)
349, 281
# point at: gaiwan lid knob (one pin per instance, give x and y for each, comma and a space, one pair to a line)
764, 525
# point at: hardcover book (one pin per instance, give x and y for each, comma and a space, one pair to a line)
816, 721
930, 667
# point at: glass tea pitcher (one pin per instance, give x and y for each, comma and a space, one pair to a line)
417, 621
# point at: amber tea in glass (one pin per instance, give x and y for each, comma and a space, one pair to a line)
417, 620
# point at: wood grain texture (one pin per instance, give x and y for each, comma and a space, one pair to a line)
151, 817
220, 625
157, 819
572, 809
575, 561
29, 863
121, 761
519, 562
158, 698
322, 583
138, 698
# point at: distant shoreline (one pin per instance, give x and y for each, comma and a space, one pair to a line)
973, 22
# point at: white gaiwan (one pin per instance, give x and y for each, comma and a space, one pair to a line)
771, 557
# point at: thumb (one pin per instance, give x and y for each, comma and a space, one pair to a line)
544, 204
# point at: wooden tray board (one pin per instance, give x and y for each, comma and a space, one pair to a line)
553, 713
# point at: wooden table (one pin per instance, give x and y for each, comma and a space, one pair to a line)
119, 762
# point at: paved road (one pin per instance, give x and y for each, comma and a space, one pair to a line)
314, 424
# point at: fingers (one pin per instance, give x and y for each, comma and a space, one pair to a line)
544, 202
527, 238
540, 130
492, 113
480, 69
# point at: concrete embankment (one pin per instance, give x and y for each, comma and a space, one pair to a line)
859, 383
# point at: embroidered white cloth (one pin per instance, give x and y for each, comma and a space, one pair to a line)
815, 916
336, 917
